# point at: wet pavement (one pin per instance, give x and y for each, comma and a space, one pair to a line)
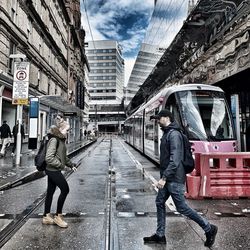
111, 205
11, 173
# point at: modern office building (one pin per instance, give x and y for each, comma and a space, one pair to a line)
166, 21
146, 59
106, 81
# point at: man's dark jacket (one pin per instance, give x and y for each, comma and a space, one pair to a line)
15, 131
5, 131
171, 154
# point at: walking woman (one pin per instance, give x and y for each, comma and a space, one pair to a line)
56, 159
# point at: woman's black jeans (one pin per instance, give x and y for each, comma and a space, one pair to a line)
55, 179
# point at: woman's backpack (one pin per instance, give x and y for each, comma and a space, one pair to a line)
40, 162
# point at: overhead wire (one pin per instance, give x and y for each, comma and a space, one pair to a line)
163, 33
167, 29
163, 19
95, 50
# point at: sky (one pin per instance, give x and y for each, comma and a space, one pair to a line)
125, 21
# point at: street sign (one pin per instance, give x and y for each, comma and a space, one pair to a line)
20, 93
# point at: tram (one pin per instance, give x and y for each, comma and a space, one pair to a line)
201, 111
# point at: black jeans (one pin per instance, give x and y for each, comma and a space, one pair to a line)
56, 179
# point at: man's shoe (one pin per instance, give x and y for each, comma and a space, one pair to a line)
210, 236
155, 239
48, 220
58, 219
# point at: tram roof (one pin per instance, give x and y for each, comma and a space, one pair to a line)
197, 32
167, 91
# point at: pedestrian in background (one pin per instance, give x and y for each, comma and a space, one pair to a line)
5, 136
172, 181
56, 159
15, 132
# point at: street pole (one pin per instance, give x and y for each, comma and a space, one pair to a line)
1, 102
19, 135
20, 94
96, 116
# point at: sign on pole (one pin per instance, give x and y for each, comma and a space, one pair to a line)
33, 122
20, 93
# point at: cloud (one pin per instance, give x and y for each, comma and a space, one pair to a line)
112, 20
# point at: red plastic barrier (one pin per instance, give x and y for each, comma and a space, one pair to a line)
220, 175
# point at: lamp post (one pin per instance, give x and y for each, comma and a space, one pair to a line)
96, 116
20, 94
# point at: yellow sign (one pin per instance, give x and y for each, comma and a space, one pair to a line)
20, 101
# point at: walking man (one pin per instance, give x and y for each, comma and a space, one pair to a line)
172, 181
5, 134
15, 132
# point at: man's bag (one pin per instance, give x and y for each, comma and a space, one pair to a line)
40, 162
188, 160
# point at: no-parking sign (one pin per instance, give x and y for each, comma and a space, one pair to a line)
20, 93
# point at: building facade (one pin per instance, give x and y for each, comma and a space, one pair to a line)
146, 59
106, 78
106, 81
49, 34
166, 20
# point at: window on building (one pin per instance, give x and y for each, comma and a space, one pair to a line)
49, 56
29, 30
48, 89
12, 50
39, 76
14, 11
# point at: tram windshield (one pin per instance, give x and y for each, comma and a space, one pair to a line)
205, 115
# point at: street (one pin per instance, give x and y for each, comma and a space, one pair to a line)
111, 206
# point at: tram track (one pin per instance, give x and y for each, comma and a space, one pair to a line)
9, 231
102, 217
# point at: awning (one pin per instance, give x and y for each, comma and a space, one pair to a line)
57, 102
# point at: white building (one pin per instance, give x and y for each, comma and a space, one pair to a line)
106, 81
106, 77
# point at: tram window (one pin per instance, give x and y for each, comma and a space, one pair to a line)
205, 115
